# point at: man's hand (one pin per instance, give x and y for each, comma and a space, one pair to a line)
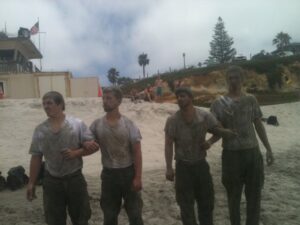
30, 192
219, 131
205, 145
71, 154
91, 145
137, 184
228, 134
269, 158
170, 174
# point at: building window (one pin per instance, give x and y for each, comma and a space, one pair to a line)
7, 55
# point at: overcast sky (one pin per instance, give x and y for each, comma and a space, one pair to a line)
88, 37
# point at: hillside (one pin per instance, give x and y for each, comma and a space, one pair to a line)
208, 82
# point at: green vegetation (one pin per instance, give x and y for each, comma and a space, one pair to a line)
268, 65
273, 97
281, 40
143, 61
221, 50
265, 98
124, 81
113, 75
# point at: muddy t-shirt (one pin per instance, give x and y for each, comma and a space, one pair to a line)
49, 144
189, 136
238, 115
116, 142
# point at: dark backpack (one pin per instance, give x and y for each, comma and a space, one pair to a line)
16, 178
2, 182
272, 120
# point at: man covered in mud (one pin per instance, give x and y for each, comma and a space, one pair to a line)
186, 129
242, 162
120, 143
60, 140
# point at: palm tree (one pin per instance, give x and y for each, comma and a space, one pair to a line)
143, 61
281, 40
113, 75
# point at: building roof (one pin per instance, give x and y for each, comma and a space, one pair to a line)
24, 45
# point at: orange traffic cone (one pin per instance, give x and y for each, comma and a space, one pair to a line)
99, 91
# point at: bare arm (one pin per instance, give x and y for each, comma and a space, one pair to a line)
89, 147
137, 180
208, 143
219, 131
169, 158
35, 166
261, 131
213, 139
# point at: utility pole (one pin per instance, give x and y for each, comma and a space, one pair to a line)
40, 51
183, 55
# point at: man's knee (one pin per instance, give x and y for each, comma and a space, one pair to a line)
80, 214
55, 218
133, 209
135, 219
110, 216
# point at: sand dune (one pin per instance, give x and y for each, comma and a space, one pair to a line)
281, 193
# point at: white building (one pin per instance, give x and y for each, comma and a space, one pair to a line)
19, 78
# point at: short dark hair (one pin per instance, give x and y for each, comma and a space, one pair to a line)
117, 92
185, 90
56, 97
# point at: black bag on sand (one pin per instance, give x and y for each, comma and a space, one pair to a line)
2, 182
272, 120
16, 178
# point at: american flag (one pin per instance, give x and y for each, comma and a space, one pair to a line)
35, 29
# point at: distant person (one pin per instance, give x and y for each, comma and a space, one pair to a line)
120, 144
159, 88
173, 85
242, 162
180, 83
60, 140
1, 92
134, 95
2, 182
186, 130
147, 93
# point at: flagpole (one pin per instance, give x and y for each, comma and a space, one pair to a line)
40, 44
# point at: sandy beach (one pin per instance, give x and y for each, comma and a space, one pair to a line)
281, 193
